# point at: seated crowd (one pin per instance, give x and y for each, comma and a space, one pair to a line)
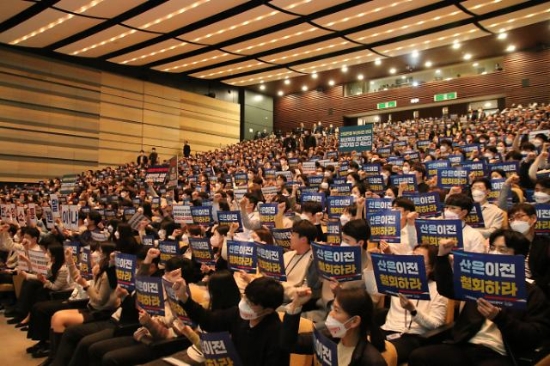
64, 245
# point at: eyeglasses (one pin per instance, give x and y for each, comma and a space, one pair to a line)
517, 216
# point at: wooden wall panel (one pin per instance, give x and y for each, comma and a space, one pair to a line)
57, 119
330, 105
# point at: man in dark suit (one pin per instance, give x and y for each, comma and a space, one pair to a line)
289, 143
142, 159
153, 157
186, 149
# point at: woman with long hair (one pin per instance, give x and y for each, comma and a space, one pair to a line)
350, 323
102, 302
125, 240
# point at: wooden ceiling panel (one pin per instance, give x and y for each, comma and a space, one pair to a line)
461, 34
486, 6
191, 63
369, 12
304, 7
156, 52
278, 74
227, 71
176, 13
349, 59
249, 21
10, 8
410, 25
98, 8
281, 38
109, 40
520, 18
309, 51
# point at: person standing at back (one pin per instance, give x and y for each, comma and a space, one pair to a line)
186, 149
142, 159
153, 157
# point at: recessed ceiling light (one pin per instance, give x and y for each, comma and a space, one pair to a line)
314, 75
331, 82
475, 64
467, 56
438, 71
360, 77
456, 45
415, 53
280, 93
415, 83
372, 83
511, 48
262, 87
287, 81
428, 64
344, 68
502, 36
403, 77
378, 62
304, 88
393, 70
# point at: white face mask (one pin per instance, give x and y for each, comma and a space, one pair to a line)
450, 215
501, 149
537, 142
110, 228
443, 148
324, 185
246, 312
478, 195
349, 182
336, 328
390, 197
117, 235
541, 197
509, 142
406, 170
520, 226
488, 156
354, 196
495, 252
344, 244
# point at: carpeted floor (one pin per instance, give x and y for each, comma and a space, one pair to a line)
13, 342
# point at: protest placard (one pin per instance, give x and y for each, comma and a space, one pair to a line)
499, 279
270, 261
340, 263
126, 270
241, 255
202, 250
149, 294
401, 274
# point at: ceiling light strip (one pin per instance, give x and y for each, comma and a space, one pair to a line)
57, 22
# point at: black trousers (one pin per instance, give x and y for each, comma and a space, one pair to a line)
120, 351
76, 340
457, 355
405, 344
32, 291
